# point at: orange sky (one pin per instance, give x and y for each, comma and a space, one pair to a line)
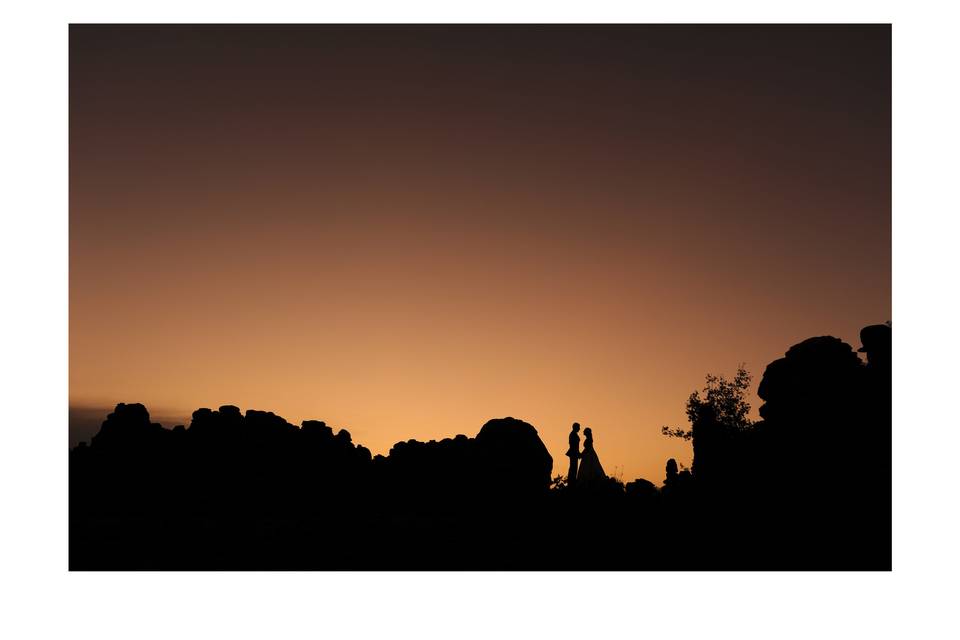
408, 231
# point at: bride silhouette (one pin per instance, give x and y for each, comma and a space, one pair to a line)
590, 467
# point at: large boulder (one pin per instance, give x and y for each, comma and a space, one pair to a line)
128, 428
816, 378
512, 457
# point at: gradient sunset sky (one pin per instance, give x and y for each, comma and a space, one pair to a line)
406, 231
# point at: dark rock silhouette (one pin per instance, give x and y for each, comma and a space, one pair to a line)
514, 457
242, 469
641, 491
806, 487
814, 470
672, 471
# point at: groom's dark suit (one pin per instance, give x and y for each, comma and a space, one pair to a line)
574, 454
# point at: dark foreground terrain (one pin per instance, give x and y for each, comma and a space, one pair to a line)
806, 487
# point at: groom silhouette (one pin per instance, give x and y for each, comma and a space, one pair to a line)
573, 453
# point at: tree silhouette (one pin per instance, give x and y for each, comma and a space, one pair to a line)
723, 401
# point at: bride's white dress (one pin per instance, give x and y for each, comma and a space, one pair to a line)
590, 467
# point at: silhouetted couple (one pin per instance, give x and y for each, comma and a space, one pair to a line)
585, 466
